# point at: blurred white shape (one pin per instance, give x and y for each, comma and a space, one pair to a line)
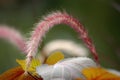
44, 71
114, 71
68, 46
68, 69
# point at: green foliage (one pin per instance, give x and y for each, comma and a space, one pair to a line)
100, 18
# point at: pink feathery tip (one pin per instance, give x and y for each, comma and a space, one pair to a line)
13, 36
52, 20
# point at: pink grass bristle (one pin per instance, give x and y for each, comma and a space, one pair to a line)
14, 37
48, 22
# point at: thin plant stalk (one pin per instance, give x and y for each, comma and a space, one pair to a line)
48, 22
14, 37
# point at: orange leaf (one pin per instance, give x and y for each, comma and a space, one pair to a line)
99, 74
12, 73
17, 73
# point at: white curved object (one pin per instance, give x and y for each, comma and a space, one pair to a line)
68, 69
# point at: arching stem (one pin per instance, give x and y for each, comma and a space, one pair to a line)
50, 21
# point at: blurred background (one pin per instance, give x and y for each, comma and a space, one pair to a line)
101, 18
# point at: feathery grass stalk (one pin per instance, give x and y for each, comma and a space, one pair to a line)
47, 23
13, 36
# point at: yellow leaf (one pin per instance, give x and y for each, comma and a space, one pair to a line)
99, 74
54, 58
32, 68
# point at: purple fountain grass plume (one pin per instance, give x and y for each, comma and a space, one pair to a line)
47, 23
13, 36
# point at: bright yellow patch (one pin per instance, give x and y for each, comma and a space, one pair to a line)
99, 74
54, 58
32, 68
